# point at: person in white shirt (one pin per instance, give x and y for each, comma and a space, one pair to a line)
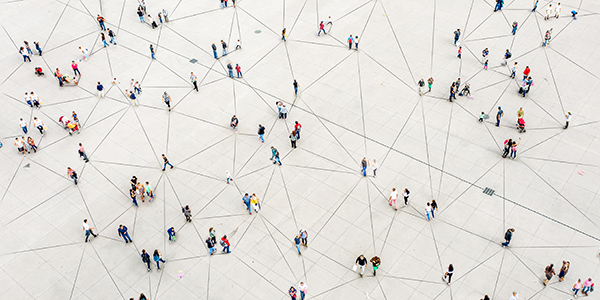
35, 99
303, 289
28, 99
514, 296
557, 10
23, 125
20, 145
329, 21
428, 211
88, 230
393, 198
374, 167
38, 124
549, 11
568, 119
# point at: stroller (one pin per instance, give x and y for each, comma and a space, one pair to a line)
69, 126
39, 71
521, 125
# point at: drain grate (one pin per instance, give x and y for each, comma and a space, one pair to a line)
488, 191
193, 60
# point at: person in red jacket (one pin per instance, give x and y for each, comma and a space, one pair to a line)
526, 72
297, 128
225, 244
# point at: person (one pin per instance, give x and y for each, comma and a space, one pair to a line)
137, 87
104, 42
449, 273
152, 22
292, 293
82, 153
167, 100
548, 12
406, 193
39, 125
481, 116
428, 211
507, 55
374, 166
171, 233
187, 212
234, 123
508, 237
123, 233
434, 207
224, 45
499, 115
238, 45
456, 36
212, 233
20, 145
421, 84
228, 176
25, 55
514, 296
549, 272
563, 270
485, 65
214, 48
210, 245
321, 28
330, 22
588, 285
375, 261
284, 112
133, 197
430, 83
573, 14
567, 119
350, 42
459, 52
140, 190
225, 243
75, 67
514, 27
100, 89
255, 203
166, 162
297, 242
152, 53
393, 198
275, 154
142, 297
230, 70
293, 138
484, 54
295, 87
71, 173
238, 70
88, 230
303, 289
535, 6
486, 297
160, 18
576, 287
513, 149
261, 132
507, 144
452, 92
246, 200
112, 35
356, 42
146, 259
304, 237
31, 143
466, 91
194, 79
283, 35
513, 70
499, 4
361, 262
158, 258
149, 191
85, 53
38, 48
364, 164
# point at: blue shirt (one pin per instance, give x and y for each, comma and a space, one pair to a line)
122, 231
297, 240
246, 199
500, 112
99, 87
171, 231
132, 96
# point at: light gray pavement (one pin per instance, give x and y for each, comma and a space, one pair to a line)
352, 104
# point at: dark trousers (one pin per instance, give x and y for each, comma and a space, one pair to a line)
126, 237
293, 144
195, 85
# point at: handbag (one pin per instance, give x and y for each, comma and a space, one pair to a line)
354, 268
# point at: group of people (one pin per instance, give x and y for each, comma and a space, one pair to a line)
586, 287
23, 145
211, 242
25, 50
142, 11
361, 263
251, 202
139, 189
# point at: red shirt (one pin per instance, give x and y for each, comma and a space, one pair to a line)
238, 68
296, 126
526, 72
226, 241
74, 66
321, 25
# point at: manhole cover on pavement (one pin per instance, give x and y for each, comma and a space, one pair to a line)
257, 31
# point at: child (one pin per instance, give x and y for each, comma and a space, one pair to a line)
228, 175
149, 191
481, 117
485, 65
459, 52
255, 203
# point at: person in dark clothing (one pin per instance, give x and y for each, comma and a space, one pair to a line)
361, 262
187, 212
166, 160
508, 237
261, 132
214, 47
171, 233
123, 233
146, 258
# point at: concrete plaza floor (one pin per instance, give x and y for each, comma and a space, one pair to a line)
351, 104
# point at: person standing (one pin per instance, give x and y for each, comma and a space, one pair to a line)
82, 153
140, 14
449, 273
293, 139
563, 270
20, 146
302, 287
557, 10
149, 191
549, 272
428, 211
146, 258
32, 145
295, 87
166, 162
350, 39
513, 149
158, 258
100, 89
23, 52
507, 55
123, 233
23, 125
297, 242
230, 69
434, 207
549, 11
406, 194
38, 48
225, 243
374, 166
452, 92
39, 125
238, 69
321, 28
246, 200
456, 36
234, 123
75, 68
361, 263
588, 285
459, 52
535, 6
283, 35
304, 237
187, 212
71, 173
375, 261
224, 47
421, 84
292, 293
356, 42
508, 237
567, 119
112, 35
133, 196
364, 164
514, 296
526, 72
576, 287
152, 53
152, 22
430, 83
212, 234
499, 4
499, 115
484, 54
513, 70
167, 100
261, 132
133, 99
194, 79
228, 176
514, 27
214, 48
171, 233
88, 230
239, 45
393, 198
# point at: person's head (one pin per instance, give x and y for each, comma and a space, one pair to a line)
121, 226
246, 195
515, 63
433, 201
98, 82
356, 36
84, 220
253, 194
187, 207
514, 293
225, 237
569, 112
211, 229
155, 251
69, 168
35, 118
551, 265
512, 230
451, 267
172, 228
393, 189
428, 204
578, 280
499, 108
271, 148
259, 125
362, 256
163, 155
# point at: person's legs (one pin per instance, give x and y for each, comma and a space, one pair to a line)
41, 129
74, 179
296, 90
128, 237
298, 248
148, 263
449, 278
362, 270
249, 208
105, 43
302, 295
262, 137
432, 215
428, 219
395, 204
215, 53
364, 171
170, 235
87, 235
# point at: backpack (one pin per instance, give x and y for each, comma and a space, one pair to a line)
145, 258
508, 55
222, 243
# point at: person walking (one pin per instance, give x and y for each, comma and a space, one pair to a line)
549, 272
406, 194
167, 100
421, 84
393, 198
430, 83
356, 42
452, 92
103, 38
246, 200
295, 87
158, 258
224, 47
32, 145
112, 36
75, 68
361, 263
303, 290
23, 125
100, 89
557, 10
140, 14
304, 237
549, 11
375, 261
459, 52
507, 55
514, 296
234, 123
133, 98
363, 165
212, 234
149, 191
292, 293
275, 154
152, 53
508, 237
166, 162
39, 125
261, 132
38, 48
228, 176
576, 287
214, 48
88, 230
133, 196
171, 232
499, 4
284, 112
297, 242
293, 139
152, 22
567, 119
146, 259
225, 244
535, 5
194, 79
123, 233
20, 146
85, 53
499, 115
513, 149
321, 28
238, 70
71, 173
350, 40
484, 54
448, 274
187, 212
588, 285
563, 270
82, 153
428, 211
434, 207
513, 70
456, 36
283, 35
374, 167
514, 27
23, 52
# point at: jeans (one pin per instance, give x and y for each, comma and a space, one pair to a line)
298, 248
283, 37
165, 165
215, 53
105, 43
356, 45
302, 295
505, 244
137, 90
513, 153
141, 19
74, 178
224, 51
82, 154
76, 71
134, 200
226, 249
261, 137
222, 4
171, 236
239, 74
29, 50
277, 160
26, 57
148, 263
364, 171
498, 122
432, 214
112, 40
455, 40
249, 207
153, 57
40, 51
41, 129
158, 262
514, 30
102, 26
126, 237
498, 6
320, 31
87, 234
586, 289
296, 90
298, 134
375, 172
428, 219
231, 73
211, 250
29, 102
576, 291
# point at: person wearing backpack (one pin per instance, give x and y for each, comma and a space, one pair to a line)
210, 245
261, 132
225, 244
146, 258
507, 55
